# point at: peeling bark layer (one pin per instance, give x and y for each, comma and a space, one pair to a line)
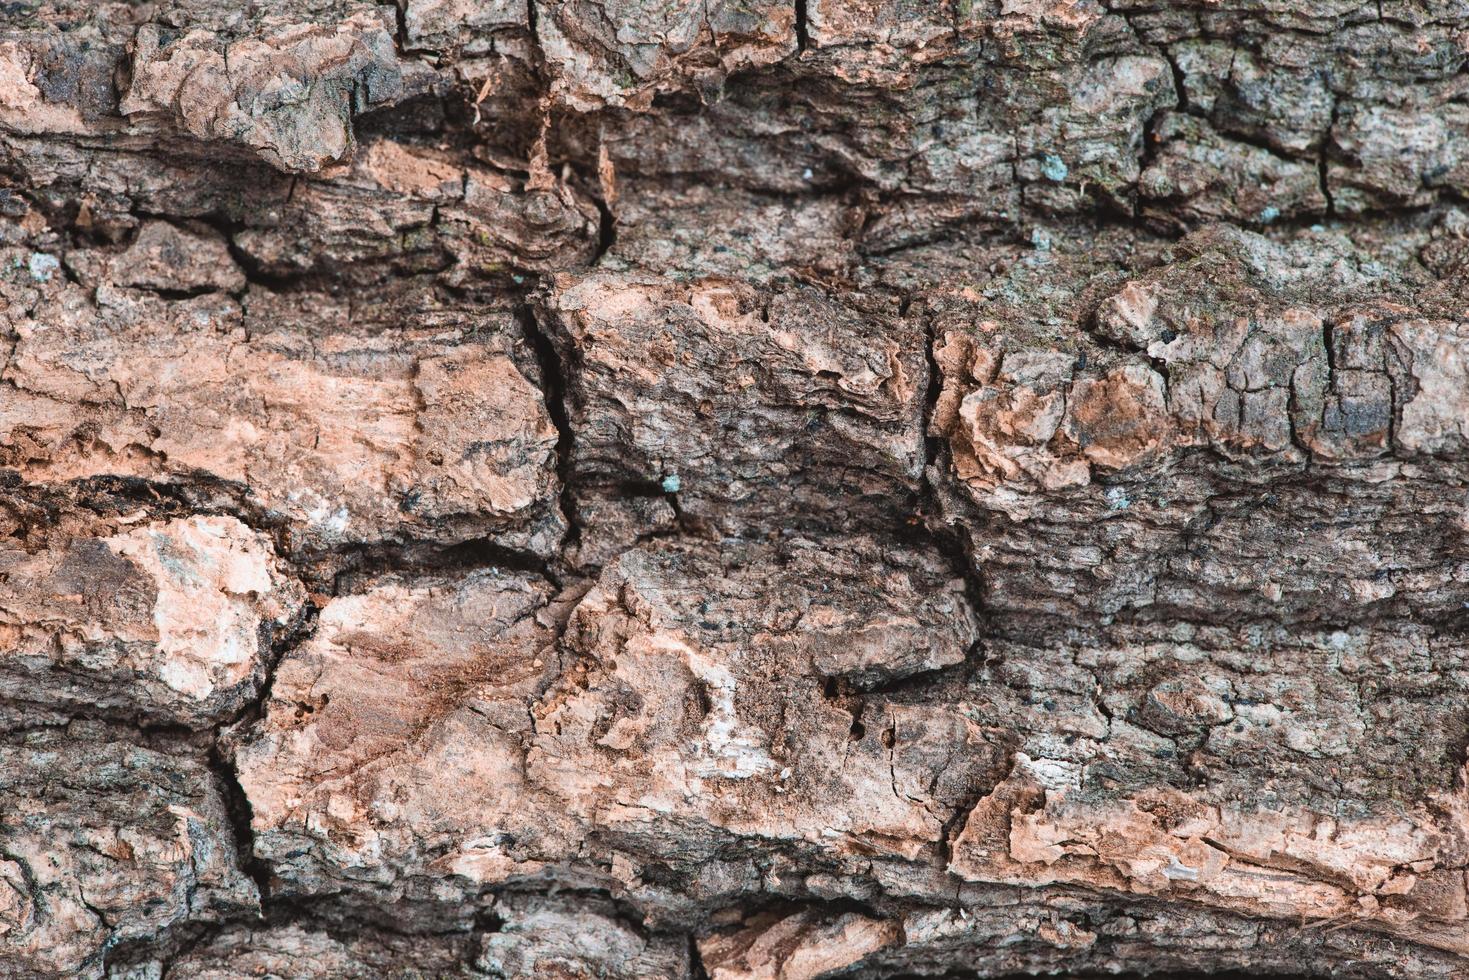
733, 490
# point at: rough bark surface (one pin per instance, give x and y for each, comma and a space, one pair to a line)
731, 490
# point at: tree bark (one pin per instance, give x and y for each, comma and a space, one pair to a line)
733, 490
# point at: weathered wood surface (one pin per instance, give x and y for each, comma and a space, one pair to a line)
733, 489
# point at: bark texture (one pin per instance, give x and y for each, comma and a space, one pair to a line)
733, 489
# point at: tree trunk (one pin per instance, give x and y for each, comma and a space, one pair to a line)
733, 490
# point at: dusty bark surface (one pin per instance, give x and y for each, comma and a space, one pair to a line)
733, 489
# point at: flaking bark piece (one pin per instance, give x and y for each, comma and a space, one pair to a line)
1221, 434
170, 622
351, 425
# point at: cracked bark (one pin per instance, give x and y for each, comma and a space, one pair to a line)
756, 489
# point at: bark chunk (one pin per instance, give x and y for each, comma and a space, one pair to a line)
131, 841
748, 405
171, 622
347, 434
391, 752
